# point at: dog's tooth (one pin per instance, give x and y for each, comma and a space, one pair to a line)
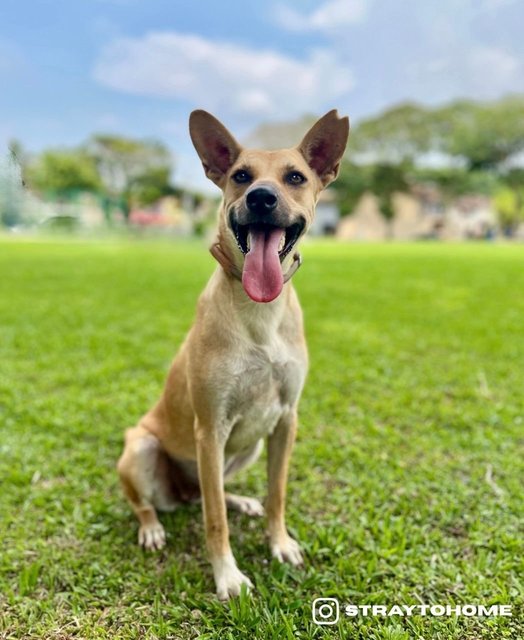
282, 242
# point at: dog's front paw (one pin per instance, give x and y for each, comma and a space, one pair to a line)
228, 578
287, 550
152, 536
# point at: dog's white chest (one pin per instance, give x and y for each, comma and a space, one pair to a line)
266, 385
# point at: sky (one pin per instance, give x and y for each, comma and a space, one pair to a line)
138, 67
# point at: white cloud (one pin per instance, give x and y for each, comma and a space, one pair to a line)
504, 70
223, 76
495, 5
331, 16
478, 71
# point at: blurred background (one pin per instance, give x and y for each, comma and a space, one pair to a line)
95, 97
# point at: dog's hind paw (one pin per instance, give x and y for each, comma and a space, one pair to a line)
287, 550
249, 506
152, 537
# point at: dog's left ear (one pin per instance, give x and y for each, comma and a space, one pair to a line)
324, 144
216, 147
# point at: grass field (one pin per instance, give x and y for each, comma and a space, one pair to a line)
407, 478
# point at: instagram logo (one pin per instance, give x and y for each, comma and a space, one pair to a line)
325, 611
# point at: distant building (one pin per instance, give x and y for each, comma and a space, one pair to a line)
421, 214
365, 223
166, 215
412, 220
470, 216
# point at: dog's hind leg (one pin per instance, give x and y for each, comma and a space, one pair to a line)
144, 474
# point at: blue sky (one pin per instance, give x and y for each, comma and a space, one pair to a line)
138, 67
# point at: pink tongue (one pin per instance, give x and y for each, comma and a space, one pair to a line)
262, 275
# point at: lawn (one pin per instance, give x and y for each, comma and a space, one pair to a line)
406, 480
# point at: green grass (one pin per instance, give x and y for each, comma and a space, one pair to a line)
415, 391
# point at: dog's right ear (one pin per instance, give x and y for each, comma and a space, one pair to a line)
216, 147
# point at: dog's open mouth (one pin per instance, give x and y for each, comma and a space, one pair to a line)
288, 238
265, 246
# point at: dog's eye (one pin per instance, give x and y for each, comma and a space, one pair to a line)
241, 177
295, 177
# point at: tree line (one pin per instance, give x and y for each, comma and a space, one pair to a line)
123, 172
462, 147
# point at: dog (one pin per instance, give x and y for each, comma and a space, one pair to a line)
238, 376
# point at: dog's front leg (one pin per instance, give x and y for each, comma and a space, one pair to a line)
280, 445
210, 454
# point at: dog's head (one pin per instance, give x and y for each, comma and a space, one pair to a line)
269, 196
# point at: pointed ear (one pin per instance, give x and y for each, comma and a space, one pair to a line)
324, 144
215, 146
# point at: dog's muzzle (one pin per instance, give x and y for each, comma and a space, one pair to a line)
265, 237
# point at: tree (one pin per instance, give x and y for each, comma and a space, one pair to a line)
456, 181
397, 135
18, 155
62, 172
133, 171
509, 205
514, 178
480, 135
353, 181
11, 190
152, 185
382, 179
388, 179
485, 135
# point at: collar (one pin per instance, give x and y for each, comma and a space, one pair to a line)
232, 270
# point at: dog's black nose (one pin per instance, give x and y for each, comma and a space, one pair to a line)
261, 200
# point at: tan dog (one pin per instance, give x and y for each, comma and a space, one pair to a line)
238, 376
